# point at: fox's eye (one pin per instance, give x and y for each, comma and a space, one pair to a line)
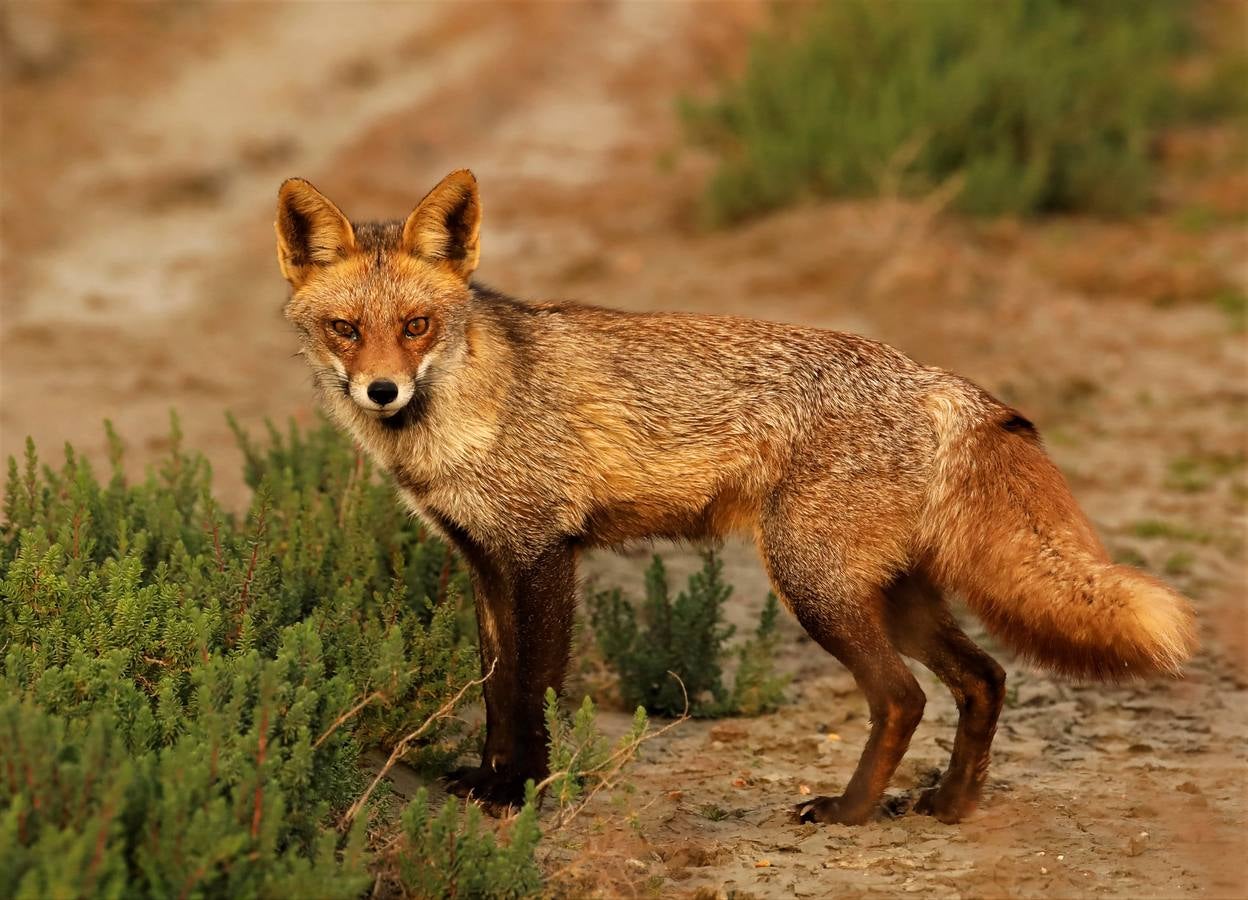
344, 329
416, 327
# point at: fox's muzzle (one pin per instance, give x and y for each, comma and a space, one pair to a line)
381, 397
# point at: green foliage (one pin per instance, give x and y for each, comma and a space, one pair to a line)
684, 637
580, 756
758, 688
1201, 470
1180, 563
178, 682
1035, 105
1158, 528
1234, 304
453, 855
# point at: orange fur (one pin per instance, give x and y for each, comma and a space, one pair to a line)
1005, 532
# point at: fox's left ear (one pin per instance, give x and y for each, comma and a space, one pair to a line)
311, 231
443, 228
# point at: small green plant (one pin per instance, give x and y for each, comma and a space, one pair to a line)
452, 854
1179, 563
758, 688
1234, 304
1196, 472
582, 761
713, 812
672, 661
1026, 106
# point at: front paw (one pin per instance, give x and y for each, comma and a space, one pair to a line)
946, 806
831, 811
499, 791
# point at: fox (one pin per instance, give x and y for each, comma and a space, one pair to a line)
875, 488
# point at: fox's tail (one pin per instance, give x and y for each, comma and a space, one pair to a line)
1005, 532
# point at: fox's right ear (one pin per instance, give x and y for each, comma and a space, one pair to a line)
444, 227
311, 231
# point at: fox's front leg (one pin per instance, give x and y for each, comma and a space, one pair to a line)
524, 622
495, 781
545, 604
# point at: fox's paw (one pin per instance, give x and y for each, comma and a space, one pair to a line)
499, 792
945, 806
831, 811
897, 805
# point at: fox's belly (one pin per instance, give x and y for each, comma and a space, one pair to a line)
681, 516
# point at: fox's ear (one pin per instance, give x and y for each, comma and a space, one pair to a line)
443, 228
311, 231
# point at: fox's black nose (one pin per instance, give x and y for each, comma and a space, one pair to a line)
382, 391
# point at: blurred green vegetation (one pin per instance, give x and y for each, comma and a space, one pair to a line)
1021, 107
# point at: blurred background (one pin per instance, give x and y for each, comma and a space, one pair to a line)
1048, 197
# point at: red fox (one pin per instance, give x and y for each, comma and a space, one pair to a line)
873, 486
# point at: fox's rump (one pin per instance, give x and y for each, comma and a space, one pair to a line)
1005, 532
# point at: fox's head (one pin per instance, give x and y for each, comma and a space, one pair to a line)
382, 307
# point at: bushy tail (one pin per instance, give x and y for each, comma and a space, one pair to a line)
1006, 533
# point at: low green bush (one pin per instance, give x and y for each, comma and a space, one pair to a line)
581, 759
685, 637
452, 854
1036, 105
186, 692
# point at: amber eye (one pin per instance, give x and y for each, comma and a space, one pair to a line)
344, 329
416, 327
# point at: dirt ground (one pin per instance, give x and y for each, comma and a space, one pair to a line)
142, 147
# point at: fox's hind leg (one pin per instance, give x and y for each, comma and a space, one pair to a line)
816, 577
922, 626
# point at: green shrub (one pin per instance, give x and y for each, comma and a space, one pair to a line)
1036, 105
452, 855
684, 637
180, 706
580, 756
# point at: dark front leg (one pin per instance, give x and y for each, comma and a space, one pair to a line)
545, 604
498, 638
494, 782
524, 622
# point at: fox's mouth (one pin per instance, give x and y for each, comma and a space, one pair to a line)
406, 415
380, 398
392, 417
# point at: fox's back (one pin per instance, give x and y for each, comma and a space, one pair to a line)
682, 415
681, 376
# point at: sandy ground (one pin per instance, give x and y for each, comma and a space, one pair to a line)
142, 148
